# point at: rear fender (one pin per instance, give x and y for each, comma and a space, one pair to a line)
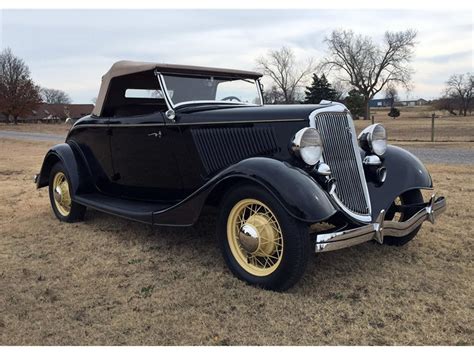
76, 169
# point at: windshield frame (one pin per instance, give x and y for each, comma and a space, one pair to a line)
172, 106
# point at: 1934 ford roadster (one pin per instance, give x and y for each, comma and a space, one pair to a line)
165, 140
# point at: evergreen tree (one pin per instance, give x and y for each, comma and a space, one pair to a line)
320, 89
355, 102
394, 112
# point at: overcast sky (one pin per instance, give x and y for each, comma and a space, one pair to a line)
71, 49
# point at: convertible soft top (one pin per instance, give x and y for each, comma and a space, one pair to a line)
126, 67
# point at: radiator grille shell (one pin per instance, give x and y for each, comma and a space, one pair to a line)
341, 153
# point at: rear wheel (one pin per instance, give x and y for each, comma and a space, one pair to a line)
407, 198
64, 208
261, 243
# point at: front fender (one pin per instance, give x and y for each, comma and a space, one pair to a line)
296, 190
72, 161
404, 172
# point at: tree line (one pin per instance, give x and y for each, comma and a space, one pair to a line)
361, 69
19, 94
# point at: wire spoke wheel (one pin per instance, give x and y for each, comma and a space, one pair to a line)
255, 237
62, 197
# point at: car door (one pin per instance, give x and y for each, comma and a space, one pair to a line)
144, 163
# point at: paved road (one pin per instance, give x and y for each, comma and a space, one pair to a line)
443, 155
31, 136
427, 155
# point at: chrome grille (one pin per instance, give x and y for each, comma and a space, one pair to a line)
341, 153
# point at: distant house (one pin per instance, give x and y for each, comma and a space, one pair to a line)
379, 103
386, 103
412, 103
55, 112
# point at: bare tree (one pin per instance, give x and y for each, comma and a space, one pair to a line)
341, 89
18, 93
460, 88
273, 96
53, 96
446, 103
391, 95
367, 66
281, 66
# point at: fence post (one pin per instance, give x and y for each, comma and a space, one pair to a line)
432, 127
373, 120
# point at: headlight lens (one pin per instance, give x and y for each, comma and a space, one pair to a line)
308, 145
379, 140
374, 139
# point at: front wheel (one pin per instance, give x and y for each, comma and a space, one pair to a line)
261, 243
64, 208
412, 197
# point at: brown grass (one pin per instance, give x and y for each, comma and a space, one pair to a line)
111, 281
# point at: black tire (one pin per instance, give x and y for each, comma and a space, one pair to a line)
77, 211
409, 197
295, 235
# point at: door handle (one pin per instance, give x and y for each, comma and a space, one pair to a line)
155, 134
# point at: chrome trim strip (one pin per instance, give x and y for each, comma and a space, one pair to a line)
380, 228
230, 103
164, 90
359, 164
123, 125
259, 90
358, 217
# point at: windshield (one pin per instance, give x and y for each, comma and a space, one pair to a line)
183, 89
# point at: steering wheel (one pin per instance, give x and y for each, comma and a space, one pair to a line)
231, 98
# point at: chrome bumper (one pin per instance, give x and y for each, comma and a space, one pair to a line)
380, 228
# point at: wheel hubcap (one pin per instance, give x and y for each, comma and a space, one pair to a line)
255, 237
249, 238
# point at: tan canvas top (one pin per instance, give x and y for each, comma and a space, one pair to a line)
126, 67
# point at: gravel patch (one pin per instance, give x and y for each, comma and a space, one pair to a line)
443, 156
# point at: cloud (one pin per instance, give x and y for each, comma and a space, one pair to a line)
71, 49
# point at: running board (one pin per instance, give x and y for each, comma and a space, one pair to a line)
139, 211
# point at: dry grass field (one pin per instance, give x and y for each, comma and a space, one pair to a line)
112, 281
414, 124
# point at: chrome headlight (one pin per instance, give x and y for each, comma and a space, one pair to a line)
307, 145
373, 139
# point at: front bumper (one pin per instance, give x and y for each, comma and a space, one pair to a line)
380, 228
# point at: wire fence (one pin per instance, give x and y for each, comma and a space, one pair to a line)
422, 124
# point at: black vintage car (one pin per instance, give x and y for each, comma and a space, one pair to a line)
165, 140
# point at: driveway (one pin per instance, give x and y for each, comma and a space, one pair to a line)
427, 155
